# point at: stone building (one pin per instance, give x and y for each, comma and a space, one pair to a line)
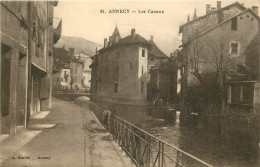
155, 55
86, 73
213, 47
119, 69
76, 71
165, 79
61, 70
28, 34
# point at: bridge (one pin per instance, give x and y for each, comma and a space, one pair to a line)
71, 95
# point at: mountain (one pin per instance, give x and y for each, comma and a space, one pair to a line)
79, 44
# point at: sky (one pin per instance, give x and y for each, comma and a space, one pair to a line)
84, 19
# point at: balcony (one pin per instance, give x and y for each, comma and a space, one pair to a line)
57, 28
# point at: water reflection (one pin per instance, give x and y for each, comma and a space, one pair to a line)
216, 141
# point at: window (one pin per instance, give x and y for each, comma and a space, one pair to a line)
234, 48
142, 69
117, 38
66, 76
151, 67
143, 52
131, 58
58, 79
142, 86
117, 70
241, 93
131, 65
61, 79
117, 55
115, 87
34, 30
234, 24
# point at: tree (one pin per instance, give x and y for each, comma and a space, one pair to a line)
210, 62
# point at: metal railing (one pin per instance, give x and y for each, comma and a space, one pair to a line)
144, 149
147, 150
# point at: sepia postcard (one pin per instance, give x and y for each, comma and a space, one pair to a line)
130, 83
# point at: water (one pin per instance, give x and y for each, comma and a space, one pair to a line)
216, 141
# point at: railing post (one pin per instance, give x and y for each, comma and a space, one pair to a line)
148, 150
159, 155
179, 159
162, 155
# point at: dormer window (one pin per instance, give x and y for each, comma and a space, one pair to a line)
116, 38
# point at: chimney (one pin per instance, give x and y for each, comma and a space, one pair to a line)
110, 41
188, 20
255, 9
207, 8
151, 38
105, 42
71, 52
213, 9
218, 5
195, 14
133, 32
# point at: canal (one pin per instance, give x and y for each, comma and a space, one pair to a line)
216, 141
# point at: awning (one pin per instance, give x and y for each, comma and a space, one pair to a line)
38, 71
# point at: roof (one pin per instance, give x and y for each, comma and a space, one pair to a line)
248, 10
164, 65
137, 39
210, 13
155, 51
116, 33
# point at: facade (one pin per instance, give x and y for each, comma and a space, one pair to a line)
27, 38
86, 74
214, 45
119, 70
76, 71
165, 79
61, 80
155, 55
243, 89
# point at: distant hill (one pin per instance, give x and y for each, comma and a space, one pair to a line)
80, 45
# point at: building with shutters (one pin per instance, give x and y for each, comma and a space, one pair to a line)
119, 69
28, 33
214, 48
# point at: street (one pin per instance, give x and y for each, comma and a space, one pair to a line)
67, 136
